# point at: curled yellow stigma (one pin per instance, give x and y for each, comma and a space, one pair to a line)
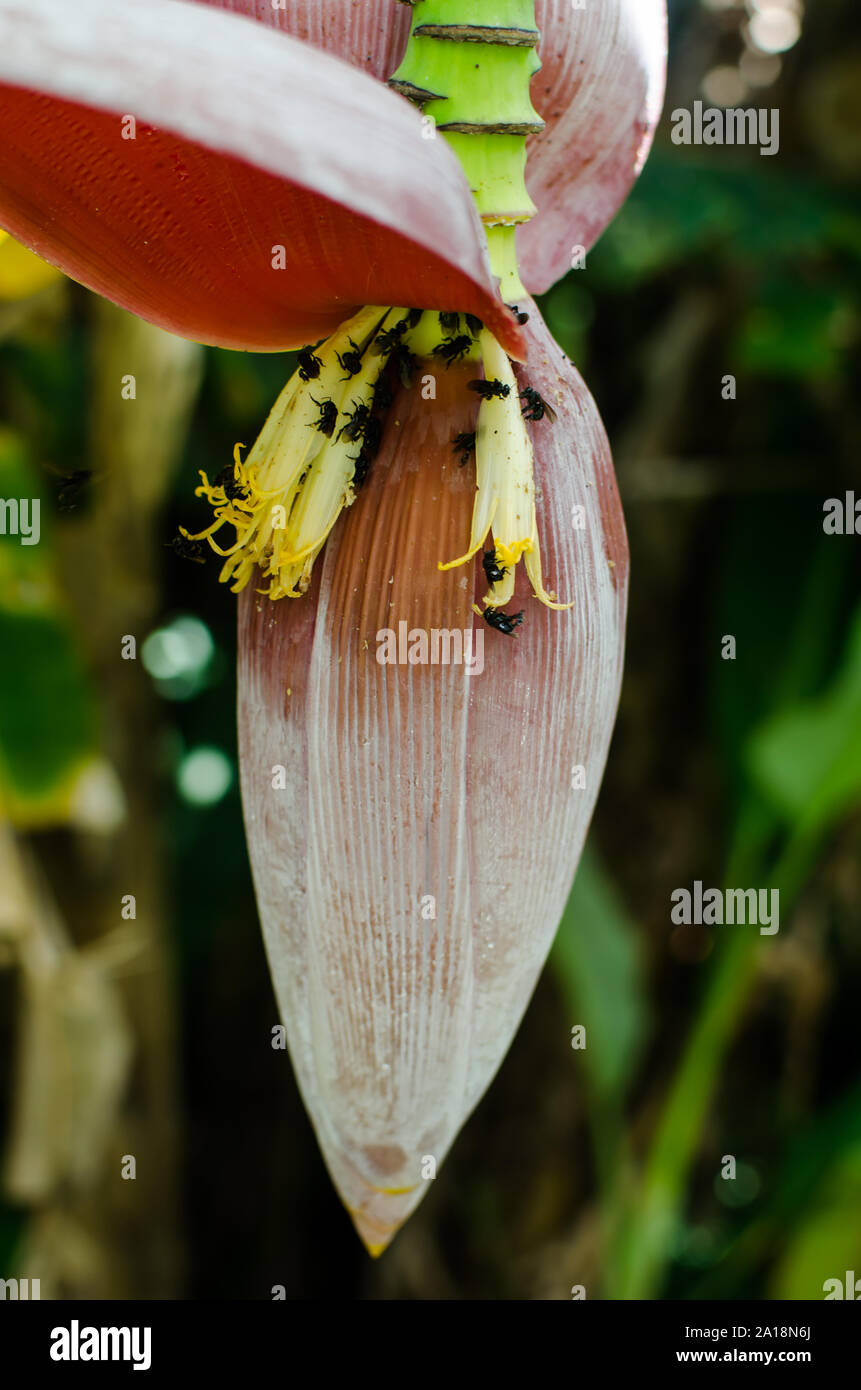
505, 487
284, 498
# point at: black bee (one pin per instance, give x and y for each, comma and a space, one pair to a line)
357, 419
473, 324
328, 417
495, 573
309, 365
536, 407
351, 361
187, 549
389, 339
372, 436
464, 444
453, 349
70, 487
227, 480
383, 396
405, 363
449, 323
518, 313
363, 461
367, 454
502, 622
414, 317
488, 389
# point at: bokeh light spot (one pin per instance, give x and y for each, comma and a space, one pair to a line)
774, 29
204, 776
178, 655
724, 86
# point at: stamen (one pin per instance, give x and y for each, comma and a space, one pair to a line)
284, 497
287, 494
505, 497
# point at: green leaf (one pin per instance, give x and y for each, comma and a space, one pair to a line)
794, 329
828, 1242
807, 760
688, 206
48, 734
597, 960
786, 619
820, 1148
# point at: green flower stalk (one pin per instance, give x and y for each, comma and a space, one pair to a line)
472, 80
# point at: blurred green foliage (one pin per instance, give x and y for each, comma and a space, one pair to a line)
48, 720
598, 960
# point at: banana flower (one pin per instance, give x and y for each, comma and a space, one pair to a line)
426, 537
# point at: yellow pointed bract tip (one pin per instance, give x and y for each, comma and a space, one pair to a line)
375, 1235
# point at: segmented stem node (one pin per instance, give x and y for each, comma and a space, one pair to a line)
473, 79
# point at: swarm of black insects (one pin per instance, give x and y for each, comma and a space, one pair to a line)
363, 422
371, 437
